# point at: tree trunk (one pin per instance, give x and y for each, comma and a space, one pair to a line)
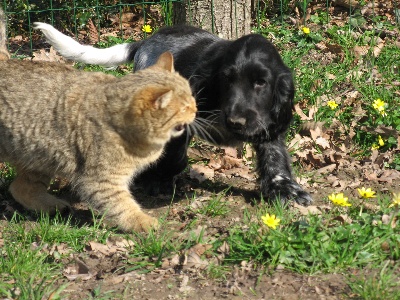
228, 19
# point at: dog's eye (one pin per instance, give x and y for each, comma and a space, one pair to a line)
259, 83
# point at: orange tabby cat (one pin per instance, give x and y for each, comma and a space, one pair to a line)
94, 129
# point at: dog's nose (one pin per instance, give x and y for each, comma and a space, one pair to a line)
236, 123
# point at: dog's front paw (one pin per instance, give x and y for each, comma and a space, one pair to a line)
285, 190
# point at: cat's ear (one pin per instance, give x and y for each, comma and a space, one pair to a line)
162, 101
166, 62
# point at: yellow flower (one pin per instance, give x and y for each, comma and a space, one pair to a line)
339, 199
270, 220
375, 147
379, 105
332, 104
366, 193
306, 30
396, 200
147, 28
380, 141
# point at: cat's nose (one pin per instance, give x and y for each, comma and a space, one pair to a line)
180, 127
236, 122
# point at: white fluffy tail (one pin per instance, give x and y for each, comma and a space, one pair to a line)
71, 49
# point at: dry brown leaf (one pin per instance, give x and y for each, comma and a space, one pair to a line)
92, 32
194, 260
389, 175
317, 132
215, 163
224, 248
201, 173
371, 206
200, 249
106, 250
249, 152
230, 151
302, 115
310, 210
229, 162
331, 76
347, 3
62, 249
321, 46
386, 219
344, 219
389, 219
335, 48
316, 160
322, 142
120, 242
361, 50
43, 55
171, 263
385, 246
199, 154
378, 48
78, 271
327, 169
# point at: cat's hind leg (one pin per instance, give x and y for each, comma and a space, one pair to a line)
30, 190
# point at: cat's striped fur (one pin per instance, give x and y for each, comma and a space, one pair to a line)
94, 129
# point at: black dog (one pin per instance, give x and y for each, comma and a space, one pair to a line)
242, 87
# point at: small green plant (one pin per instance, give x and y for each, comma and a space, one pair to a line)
309, 244
7, 174
381, 283
216, 206
151, 248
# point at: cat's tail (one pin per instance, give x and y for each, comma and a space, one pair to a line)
4, 55
71, 49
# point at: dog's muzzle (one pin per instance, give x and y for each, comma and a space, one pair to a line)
236, 123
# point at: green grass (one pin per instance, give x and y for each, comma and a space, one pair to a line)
381, 284
314, 243
213, 207
27, 268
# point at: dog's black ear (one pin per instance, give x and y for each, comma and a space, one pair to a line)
282, 110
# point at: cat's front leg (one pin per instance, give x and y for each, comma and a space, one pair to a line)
113, 200
30, 190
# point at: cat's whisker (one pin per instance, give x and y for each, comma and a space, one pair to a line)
208, 122
202, 132
215, 112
